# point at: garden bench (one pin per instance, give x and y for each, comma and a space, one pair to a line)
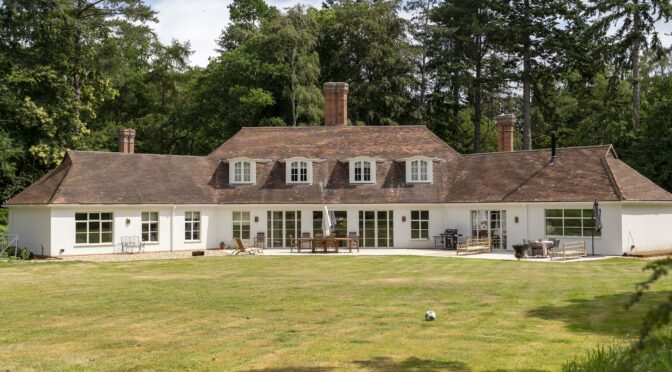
474, 245
569, 250
131, 243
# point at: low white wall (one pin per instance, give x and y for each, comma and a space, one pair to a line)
32, 224
647, 227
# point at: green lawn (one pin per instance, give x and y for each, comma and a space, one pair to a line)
313, 313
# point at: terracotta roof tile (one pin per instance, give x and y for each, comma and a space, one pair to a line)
579, 174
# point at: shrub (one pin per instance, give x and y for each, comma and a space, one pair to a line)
25, 254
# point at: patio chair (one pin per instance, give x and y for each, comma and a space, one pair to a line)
244, 248
318, 243
528, 247
353, 241
330, 243
304, 242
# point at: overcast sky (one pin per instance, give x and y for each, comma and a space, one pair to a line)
201, 21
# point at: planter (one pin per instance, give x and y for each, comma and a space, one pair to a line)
519, 251
222, 245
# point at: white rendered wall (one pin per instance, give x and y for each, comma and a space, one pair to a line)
33, 227
647, 227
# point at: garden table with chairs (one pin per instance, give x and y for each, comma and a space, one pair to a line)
324, 244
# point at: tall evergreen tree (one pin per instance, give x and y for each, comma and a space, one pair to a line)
635, 31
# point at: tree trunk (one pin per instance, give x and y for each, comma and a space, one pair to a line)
477, 108
635, 68
527, 104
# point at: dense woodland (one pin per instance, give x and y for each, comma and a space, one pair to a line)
72, 72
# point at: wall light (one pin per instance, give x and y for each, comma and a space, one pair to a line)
256, 218
403, 218
515, 219
128, 221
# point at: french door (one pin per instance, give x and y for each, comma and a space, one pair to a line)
490, 224
376, 229
280, 225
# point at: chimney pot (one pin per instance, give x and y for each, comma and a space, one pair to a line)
336, 104
505, 126
127, 141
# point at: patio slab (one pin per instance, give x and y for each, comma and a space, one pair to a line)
508, 256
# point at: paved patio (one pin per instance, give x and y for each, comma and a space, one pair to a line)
506, 256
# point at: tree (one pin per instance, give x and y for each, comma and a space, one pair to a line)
364, 43
469, 27
534, 38
635, 22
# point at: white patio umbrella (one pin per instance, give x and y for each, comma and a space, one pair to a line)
326, 222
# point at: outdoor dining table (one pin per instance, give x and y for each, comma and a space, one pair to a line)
309, 243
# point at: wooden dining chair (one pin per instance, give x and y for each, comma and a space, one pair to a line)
353, 241
318, 244
330, 243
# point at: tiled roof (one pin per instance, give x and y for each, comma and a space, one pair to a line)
579, 174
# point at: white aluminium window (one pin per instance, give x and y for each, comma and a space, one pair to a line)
362, 170
93, 227
242, 171
419, 225
419, 170
192, 226
150, 227
241, 225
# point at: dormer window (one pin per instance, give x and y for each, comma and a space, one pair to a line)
242, 171
299, 170
362, 170
418, 170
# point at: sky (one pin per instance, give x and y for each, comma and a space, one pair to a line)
200, 22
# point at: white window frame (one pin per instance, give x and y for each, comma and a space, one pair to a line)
88, 222
237, 174
359, 162
583, 227
416, 163
298, 161
191, 222
420, 222
238, 220
149, 223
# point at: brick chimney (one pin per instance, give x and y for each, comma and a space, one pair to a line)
335, 104
127, 141
505, 125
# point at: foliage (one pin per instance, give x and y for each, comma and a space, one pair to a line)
73, 73
655, 355
4, 220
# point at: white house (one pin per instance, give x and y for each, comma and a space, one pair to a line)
395, 186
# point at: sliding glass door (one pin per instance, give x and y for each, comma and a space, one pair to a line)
375, 229
281, 225
490, 224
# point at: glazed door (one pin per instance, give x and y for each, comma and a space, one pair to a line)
280, 225
375, 229
490, 224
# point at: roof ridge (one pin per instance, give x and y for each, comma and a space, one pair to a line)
535, 150
338, 127
612, 178
134, 154
67, 172
643, 176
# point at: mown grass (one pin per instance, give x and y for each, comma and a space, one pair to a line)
314, 313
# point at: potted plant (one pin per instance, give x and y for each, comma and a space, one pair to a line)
222, 245
520, 250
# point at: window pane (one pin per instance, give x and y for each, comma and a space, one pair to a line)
424, 215
80, 238
154, 216
80, 227
197, 235
80, 216
572, 231
154, 236
415, 215
572, 213
415, 234
94, 216
145, 236
588, 213
106, 227
553, 226
196, 216
145, 216
94, 227
554, 213
187, 235
94, 238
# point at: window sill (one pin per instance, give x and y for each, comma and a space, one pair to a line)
192, 241
418, 182
363, 182
241, 183
299, 183
150, 243
93, 245
420, 239
573, 237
